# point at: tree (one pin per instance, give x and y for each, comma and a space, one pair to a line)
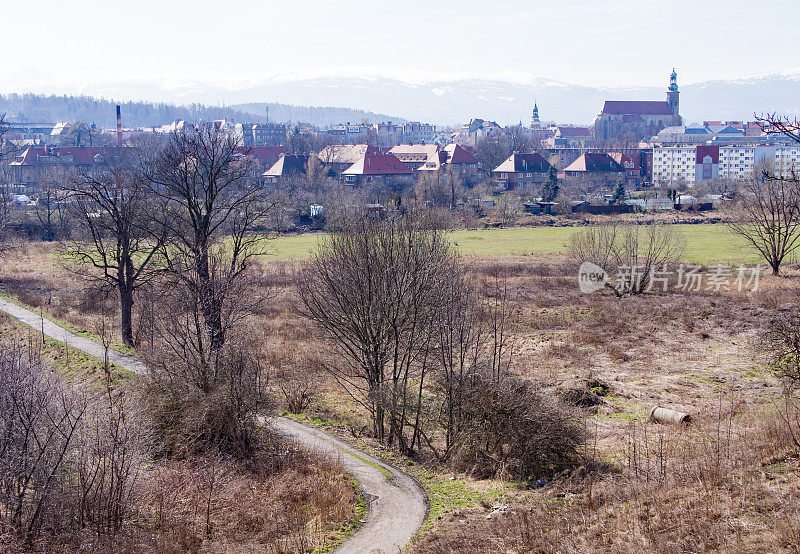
633, 252
374, 287
112, 204
211, 214
618, 195
768, 216
550, 187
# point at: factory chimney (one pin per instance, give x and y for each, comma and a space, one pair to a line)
119, 126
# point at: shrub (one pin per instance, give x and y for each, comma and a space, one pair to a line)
511, 430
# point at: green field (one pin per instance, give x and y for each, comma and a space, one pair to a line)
705, 244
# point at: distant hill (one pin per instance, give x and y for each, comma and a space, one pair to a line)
52, 108
320, 116
455, 100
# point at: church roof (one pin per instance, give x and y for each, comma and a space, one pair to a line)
636, 107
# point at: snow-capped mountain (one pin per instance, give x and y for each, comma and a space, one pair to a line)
453, 100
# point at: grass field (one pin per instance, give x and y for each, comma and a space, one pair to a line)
705, 244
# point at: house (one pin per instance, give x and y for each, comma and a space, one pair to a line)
340, 157
596, 170
29, 164
521, 171
633, 170
569, 137
289, 171
378, 169
458, 160
416, 155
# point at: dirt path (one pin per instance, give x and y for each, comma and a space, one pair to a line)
397, 504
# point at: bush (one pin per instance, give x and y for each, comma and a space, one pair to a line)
192, 415
511, 430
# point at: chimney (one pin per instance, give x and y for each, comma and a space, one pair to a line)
119, 126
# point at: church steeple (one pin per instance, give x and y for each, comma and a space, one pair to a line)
673, 94
535, 123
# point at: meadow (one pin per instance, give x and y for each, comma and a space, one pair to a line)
705, 243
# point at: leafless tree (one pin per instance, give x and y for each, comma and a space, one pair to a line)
374, 287
112, 204
773, 124
39, 424
211, 217
768, 216
782, 344
634, 253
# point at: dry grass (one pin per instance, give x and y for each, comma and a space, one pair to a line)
683, 490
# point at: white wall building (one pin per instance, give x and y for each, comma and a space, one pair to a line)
674, 164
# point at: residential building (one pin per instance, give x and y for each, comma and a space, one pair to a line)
596, 170
340, 157
521, 171
379, 170
692, 164
416, 155
633, 169
28, 165
415, 132
288, 171
568, 136
267, 134
456, 160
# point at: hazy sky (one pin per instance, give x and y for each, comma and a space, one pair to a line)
592, 42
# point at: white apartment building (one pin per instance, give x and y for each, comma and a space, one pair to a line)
674, 164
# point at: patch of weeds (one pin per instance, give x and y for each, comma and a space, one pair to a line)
348, 529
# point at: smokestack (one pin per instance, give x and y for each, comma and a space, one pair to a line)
267, 109
119, 126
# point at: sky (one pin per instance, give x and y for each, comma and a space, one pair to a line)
67, 45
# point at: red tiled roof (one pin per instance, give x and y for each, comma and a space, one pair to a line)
594, 162
624, 160
459, 155
265, 155
636, 107
374, 163
519, 163
703, 151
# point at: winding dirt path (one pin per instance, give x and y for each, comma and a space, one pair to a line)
396, 503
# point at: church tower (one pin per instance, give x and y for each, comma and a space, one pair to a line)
672, 95
535, 123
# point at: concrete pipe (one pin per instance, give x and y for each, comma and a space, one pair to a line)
665, 415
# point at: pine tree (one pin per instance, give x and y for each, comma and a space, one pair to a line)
619, 193
550, 187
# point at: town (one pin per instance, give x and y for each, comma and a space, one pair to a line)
638, 156
363, 277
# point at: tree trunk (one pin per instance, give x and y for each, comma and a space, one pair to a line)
126, 310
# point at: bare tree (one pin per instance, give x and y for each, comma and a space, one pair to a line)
768, 216
112, 204
212, 213
374, 287
39, 424
635, 253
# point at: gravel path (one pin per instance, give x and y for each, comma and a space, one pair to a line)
397, 505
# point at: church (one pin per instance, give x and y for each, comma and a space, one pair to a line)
635, 120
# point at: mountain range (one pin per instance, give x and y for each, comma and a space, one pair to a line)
454, 100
